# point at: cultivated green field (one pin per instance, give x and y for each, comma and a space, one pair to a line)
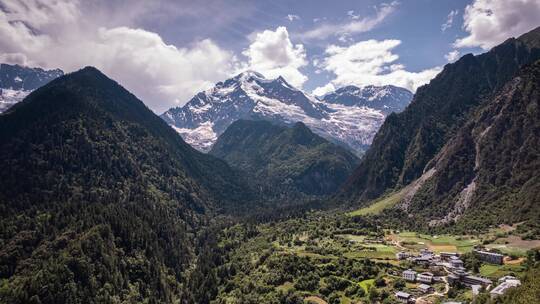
337, 259
366, 283
497, 271
379, 205
437, 243
373, 251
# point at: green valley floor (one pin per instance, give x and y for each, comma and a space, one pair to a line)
339, 258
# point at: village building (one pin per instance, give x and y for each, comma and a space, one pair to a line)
489, 257
461, 276
506, 278
404, 297
455, 262
474, 280
425, 277
460, 272
422, 261
504, 286
426, 253
435, 259
402, 255
446, 256
409, 275
425, 288
437, 270
453, 279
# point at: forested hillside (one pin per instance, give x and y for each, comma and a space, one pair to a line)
488, 172
409, 140
285, 162
100, 200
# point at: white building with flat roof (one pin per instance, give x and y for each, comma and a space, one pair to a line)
504, 286
409, 275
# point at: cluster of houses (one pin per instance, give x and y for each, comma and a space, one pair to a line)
424, 278
454, 270
427, 258
412, 276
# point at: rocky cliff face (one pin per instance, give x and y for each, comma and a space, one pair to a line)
487, 173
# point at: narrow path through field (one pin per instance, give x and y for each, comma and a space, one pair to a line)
398, 245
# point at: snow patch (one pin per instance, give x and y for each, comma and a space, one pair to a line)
202, 138
9, 97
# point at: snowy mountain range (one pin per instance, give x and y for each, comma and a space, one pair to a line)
349, 116
16, 82
386, 99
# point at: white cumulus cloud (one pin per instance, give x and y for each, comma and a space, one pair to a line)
321, 91
161, 74
490, 22
371, 62
57, 34
452, 56
273, 54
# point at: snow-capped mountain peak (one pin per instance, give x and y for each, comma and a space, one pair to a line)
250, 75
386, 98
249, 95
16, 82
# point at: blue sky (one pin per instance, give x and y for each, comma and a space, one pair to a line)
165, 51
417, 23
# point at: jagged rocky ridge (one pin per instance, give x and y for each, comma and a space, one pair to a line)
16, 82
285, 163
350, 116
386, 99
